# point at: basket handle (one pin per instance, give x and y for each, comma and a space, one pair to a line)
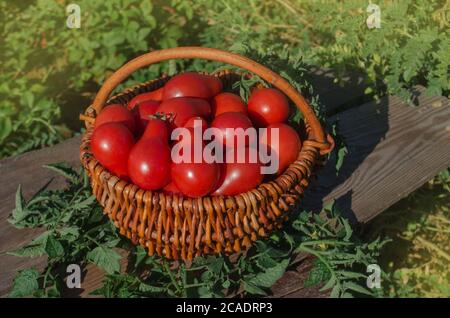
212, 54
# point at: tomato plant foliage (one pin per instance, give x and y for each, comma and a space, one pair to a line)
49, 72
76, 232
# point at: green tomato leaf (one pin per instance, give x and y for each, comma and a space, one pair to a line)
35, 249
141, 254
65, 170
5, 128
19, 213
25, 283
269, 276
106, 258
254, 290
330, 284
83, 204
335, 292
357, 288
318, 274
70, 233
54, 248
341, 154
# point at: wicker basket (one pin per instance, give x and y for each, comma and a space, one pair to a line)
180, 227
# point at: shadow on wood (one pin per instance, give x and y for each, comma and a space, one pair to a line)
393, 149
361, 133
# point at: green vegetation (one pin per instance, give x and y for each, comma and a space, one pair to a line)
418, 257
76, 232
410, 48
50, 73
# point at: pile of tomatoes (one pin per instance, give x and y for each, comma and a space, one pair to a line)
133, 141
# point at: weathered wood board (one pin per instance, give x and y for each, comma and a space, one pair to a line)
26, 170
393, 149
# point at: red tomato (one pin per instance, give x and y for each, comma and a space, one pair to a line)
184, 108
193, 122
195, 179
214, 83
191, 174
143, 112
268, 106
234, 121
202, 107
192, 84
149, 164
111, 144
116, 113
156, 128
227, 102
155, 95
238, 177
286, 148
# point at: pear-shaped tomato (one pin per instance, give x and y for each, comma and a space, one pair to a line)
181, 109
156, 128
227, 102
111, 144
228, 128
285, 148
149, 164
143, 113
118, 114
192, 84
155, 95
238, 176
195, 179
191, 174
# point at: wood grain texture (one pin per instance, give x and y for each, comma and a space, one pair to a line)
26, 170
291, 285
393, 150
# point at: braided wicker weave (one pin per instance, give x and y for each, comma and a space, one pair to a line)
180, 227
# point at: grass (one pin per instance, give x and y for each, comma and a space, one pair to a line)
417, 260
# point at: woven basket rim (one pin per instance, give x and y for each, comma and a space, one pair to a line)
87, 156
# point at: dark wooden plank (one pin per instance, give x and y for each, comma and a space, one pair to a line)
393, 150
291, 285
27, 170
